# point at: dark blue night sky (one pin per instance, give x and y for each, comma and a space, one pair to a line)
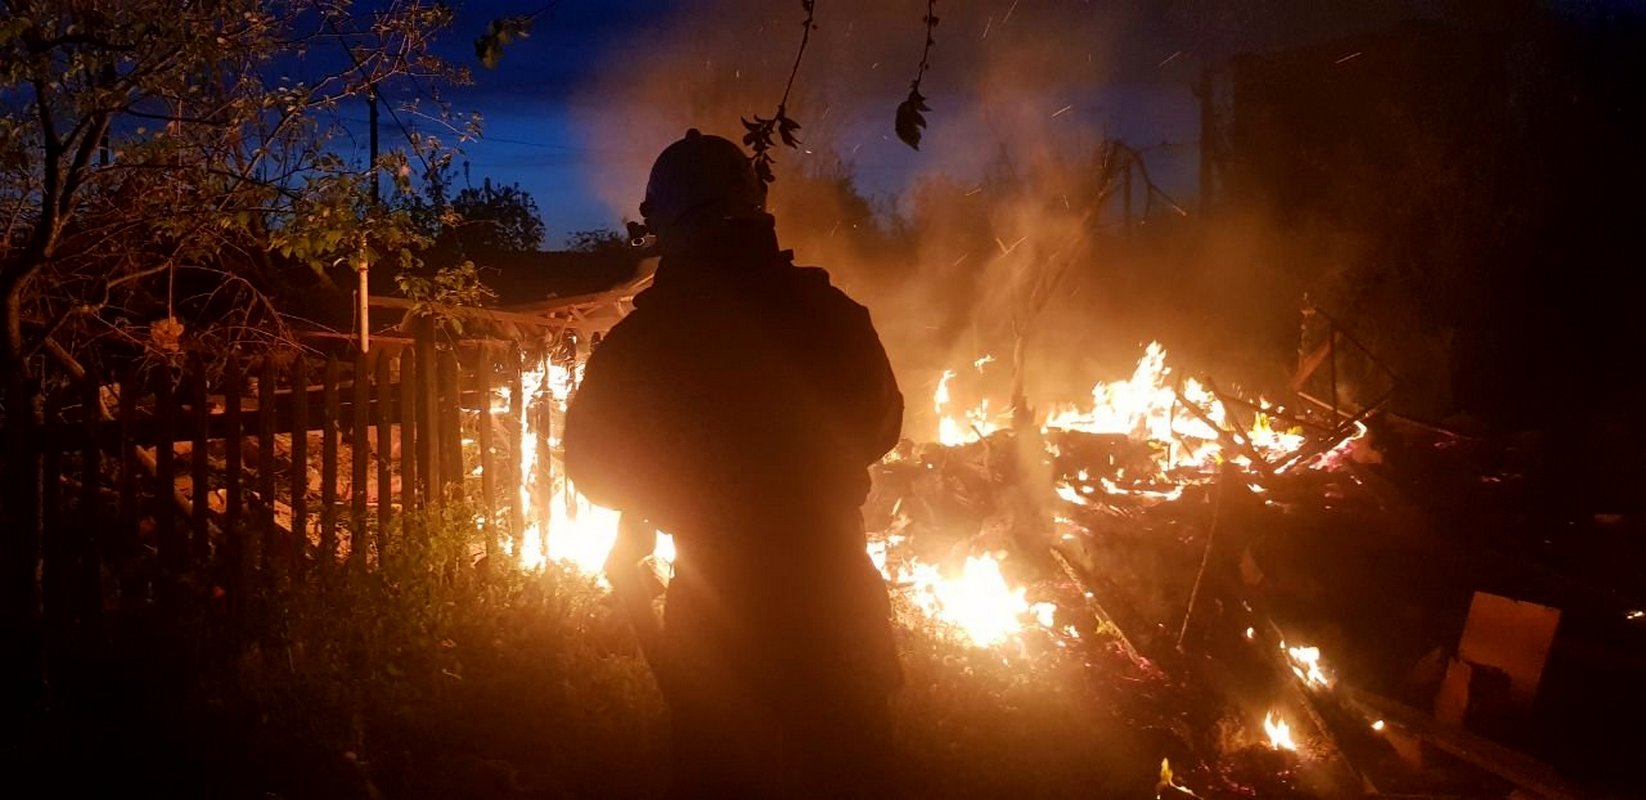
560, 121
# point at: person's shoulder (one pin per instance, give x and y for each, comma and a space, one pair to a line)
815, 283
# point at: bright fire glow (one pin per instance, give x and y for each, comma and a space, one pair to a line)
1280, 734
967, 425
978, 602
973, 598
1146, 407
579, 533
1306, 665
1378, 725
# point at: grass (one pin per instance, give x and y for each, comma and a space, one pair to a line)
426, 679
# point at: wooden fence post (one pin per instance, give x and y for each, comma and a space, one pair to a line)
408, 432
328, 469
428, 418
488, 480
88, 582
299, 458
54, 548
545, 453
165, 479
130, 516
199, 478
451, 426
516, 480
265, 463
234, 542
359, 461
385, 447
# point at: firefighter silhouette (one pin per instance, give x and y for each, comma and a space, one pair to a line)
738, 407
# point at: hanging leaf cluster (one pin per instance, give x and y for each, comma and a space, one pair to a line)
911, 113
763, 134
488, 46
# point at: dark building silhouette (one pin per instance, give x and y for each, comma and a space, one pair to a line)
1482, 180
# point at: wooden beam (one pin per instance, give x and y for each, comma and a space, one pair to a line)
1513, 766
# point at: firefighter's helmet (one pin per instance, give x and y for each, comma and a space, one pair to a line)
701, 176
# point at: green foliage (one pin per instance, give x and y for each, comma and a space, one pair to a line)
457, 286
159, 165
495, 219
597, 240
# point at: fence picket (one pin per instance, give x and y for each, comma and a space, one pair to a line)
234, 538
165, 475
130, 515
517, 408
359, 461
265, 463
488, 480
451, 426
328, 468
52, 548
199, 475
87, 563
408, 430
428, 419
299, 457
384, 394
545, 470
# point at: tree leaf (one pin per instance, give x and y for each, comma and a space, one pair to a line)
786, 127
910, 118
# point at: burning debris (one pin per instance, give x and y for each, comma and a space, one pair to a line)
1003, 539
1113, 536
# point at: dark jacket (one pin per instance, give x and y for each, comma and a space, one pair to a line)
741, 394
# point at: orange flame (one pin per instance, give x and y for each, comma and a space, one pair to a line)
1280, 734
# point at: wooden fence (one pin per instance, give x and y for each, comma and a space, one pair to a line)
234, 477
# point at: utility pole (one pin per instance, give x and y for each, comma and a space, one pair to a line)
362, 266
371, 99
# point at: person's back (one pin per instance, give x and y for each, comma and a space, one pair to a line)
738, 407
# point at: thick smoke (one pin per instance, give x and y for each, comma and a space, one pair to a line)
1005, 228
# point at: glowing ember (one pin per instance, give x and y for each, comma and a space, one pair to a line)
1378, 725
1280, 734
1069, 494
1045, 614
1167, 780
1250, 634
